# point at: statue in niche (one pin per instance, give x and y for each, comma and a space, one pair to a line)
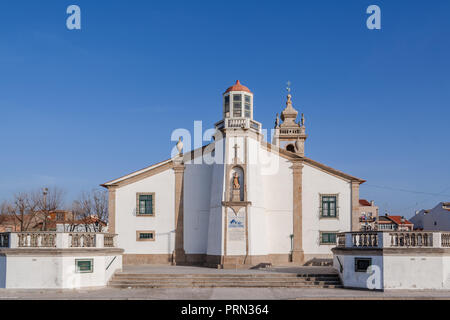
277, 121
236, 185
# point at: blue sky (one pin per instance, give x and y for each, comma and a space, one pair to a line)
79, 108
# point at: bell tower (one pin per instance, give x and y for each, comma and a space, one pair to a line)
290, 135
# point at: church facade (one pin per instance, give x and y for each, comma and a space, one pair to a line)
238, 201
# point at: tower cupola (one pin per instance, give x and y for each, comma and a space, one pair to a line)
238, 110
238, 102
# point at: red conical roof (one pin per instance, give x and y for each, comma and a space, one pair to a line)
238, 87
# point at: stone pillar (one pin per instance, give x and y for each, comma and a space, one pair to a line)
297, 252
179, 254
112, 209
355, 206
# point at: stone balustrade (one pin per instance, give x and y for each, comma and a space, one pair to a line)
244, 123
60, 240
393, 239
445, 240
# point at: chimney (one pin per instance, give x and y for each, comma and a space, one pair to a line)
372, 203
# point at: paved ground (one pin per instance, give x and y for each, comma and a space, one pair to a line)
218, 293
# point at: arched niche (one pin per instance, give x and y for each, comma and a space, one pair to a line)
240, 174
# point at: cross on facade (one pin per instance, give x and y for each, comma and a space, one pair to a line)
236, 147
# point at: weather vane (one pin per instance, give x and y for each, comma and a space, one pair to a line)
288, 88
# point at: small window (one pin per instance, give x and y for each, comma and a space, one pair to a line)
328, 238
84, 266
145, 236
361, 264
227, 104
237, 97
237, 109
145, 204
247, 107
329, 206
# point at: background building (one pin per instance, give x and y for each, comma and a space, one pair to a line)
368, 215
436, 219
397, 223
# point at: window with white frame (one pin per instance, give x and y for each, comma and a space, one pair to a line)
237, 105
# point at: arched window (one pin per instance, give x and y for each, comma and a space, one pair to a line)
290, 147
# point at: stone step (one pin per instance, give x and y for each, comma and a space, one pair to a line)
225, 285
193, 276
221, 281
131, 279
235, 280
220, 276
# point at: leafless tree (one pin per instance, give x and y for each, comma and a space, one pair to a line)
45, 201
91, 206
23, 208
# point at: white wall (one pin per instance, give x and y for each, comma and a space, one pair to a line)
316, 182
127, 223
423, 272
353, 279
398, 271
53, 272
215, 229
197, 197
278, 204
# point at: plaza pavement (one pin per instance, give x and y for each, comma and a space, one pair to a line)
108, 293
219, 294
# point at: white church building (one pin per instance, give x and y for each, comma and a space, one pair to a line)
236, 202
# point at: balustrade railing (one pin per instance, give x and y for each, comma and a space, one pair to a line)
290, 131
36, 239
411, 239
340, 239
393, 239
236, 123
245, 123
82, 240
108, 240
445, 240
365, 239
41, 239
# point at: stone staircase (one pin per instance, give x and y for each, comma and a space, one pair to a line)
209, 280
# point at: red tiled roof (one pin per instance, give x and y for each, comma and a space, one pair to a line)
238, 87
398, 220
364, 203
